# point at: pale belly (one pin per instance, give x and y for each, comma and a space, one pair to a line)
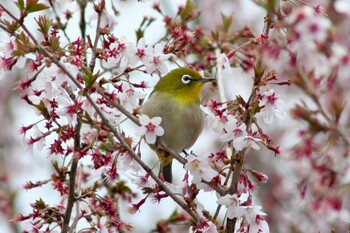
182, 125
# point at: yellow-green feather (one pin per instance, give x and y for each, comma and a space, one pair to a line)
178, 106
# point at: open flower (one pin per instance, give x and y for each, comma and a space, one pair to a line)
273, 106
157, 59
150, 128
256, 222
129, 98
200, 168
233, 204
240, 138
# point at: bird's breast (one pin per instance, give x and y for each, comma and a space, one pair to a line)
181, 122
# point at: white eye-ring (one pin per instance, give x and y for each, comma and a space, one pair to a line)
186, 79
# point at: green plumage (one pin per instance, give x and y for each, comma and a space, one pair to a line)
176, 100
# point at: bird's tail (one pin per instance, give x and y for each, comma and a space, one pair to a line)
167, 172
165, 164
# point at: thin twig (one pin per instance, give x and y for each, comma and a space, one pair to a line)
231, 223
182, 204
97, 37
142, 164
134, 119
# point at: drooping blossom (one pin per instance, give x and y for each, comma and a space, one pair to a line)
239, 136
273, 106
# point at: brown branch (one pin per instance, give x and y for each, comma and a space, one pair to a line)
142, 164
239, 163
134, 119
97, 36
182, 204
82, 23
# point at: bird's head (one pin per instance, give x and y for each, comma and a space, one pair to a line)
183, 83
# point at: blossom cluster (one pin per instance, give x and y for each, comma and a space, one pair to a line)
87, 92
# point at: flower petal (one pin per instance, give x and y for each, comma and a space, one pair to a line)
159, 131
144, 119
150, 137
156, 120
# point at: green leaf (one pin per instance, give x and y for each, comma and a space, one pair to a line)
11, 26
39, 204
20, 5
227, 22
43, 110
44, 25
139, 34
271, 5
88, 77
34, 6
188, 10
22, 45
54, 43
56, 166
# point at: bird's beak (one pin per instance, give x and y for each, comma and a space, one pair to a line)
205, 80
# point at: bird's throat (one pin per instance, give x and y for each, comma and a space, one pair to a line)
186, 96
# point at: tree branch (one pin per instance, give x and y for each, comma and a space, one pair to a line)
72, 177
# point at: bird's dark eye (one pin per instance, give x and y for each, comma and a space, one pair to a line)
186, 79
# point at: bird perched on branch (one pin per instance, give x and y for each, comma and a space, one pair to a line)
176, 99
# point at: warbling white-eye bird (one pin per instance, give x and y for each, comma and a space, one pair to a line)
176, 99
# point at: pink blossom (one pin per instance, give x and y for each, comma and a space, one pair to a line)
273, 106
204, 227
253, 217
157, 59
342, 6
127, 163
233, 204
150, 128
218, 118
239, 136
308, 25
200, 168
129, 98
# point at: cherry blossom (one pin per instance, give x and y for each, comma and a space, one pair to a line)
129, 97
273, 106
150, 128
127, 163
233, 204
204, 227
37, 138
309, 26
240, 138
199, 168
253, 217
218, 119
137, 53
157, 59
7, 60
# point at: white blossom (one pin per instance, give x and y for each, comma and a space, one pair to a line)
157, 59
233, 204
150, 128
240, 138
200, 168
273, 106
